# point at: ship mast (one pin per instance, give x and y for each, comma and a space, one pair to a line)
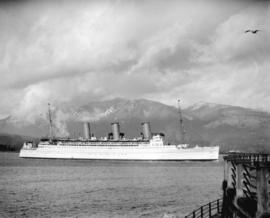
51, 135
182, 129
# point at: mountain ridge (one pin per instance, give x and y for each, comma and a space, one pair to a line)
231, 127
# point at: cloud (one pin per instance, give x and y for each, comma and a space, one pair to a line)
67, 52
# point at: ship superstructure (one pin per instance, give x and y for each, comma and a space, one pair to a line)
149, 146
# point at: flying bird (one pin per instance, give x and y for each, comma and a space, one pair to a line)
252, 31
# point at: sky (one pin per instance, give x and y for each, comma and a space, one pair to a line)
74, 52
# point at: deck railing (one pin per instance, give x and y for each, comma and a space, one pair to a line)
207, 210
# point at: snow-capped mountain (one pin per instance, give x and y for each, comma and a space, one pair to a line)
205, 123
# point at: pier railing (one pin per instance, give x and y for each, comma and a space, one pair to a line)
208, 210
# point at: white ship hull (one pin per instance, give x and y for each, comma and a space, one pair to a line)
166, 152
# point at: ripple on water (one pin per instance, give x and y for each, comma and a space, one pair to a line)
57, 188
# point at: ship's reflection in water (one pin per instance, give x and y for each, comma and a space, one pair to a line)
72, 188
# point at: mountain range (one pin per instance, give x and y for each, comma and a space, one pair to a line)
231, 127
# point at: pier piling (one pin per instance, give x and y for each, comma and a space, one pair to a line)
248, 175
246, 189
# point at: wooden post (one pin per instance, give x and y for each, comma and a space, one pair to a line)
229, 173
262, 191
225, 170
239, 177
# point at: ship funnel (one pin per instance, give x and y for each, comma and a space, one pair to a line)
86, 130
116, 131
146, 131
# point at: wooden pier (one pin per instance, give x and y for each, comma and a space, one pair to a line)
246, 188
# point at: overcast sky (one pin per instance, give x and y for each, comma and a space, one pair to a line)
80, 51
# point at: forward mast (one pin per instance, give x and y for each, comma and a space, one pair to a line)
51, 133
182, 129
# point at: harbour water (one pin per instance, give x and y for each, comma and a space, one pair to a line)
74, 188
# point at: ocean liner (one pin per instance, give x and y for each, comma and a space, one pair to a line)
149, 146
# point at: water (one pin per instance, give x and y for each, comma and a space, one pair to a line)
72, 188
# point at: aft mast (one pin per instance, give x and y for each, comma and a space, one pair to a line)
182, 129
51, 135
